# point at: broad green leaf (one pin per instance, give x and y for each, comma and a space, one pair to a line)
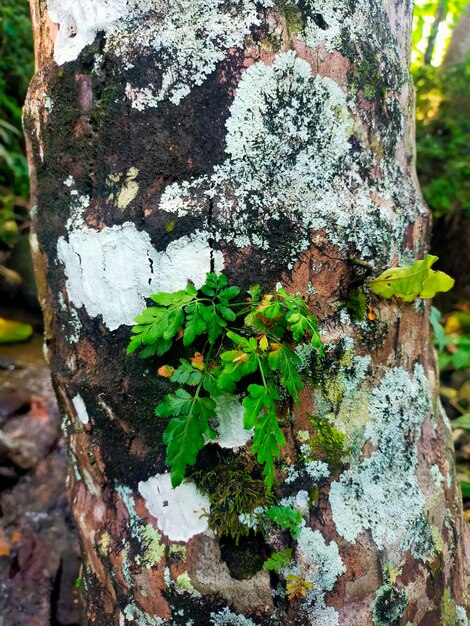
462, 422
14, 332
177, 298
438, 329
184, 435
195, 322
175, 404
410, 282
278, 560
465, 488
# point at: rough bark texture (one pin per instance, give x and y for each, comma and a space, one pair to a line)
273, 140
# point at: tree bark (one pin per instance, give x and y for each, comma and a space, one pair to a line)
273, 141
459, 45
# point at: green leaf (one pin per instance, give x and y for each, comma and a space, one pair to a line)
184, 435
186, 374
255, 293
260, 398
238, 364
410, 282
462, 422
175, 404
286, 518
465, 485
284, 360
177, 298
14, 332
195, 322
438, 329
278, 560
229, 293
267, 439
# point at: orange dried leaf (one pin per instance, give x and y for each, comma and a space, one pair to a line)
165, 371
198, 361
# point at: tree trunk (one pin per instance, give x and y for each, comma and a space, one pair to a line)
459, 45
274, 141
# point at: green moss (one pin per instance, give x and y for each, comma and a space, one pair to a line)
356, 305
234, 487
389, 605
328, 443
292, 14
448, 610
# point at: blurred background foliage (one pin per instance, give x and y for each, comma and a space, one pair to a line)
441, 71
16, 69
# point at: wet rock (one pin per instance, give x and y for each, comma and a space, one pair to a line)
26, 439
8, 364
13, 401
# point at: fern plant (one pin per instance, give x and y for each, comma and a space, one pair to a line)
244, 347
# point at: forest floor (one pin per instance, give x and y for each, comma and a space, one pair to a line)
39, 553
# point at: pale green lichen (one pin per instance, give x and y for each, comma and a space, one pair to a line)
188, 38
319, 563
226, 617
451, 613
285, 126
154, 549
437, 477
183, 581
137, 617
369, 495
426, 540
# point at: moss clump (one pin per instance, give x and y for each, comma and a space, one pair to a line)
356, 305
292, 14
389, 605
449, 610
328, 443
234, 486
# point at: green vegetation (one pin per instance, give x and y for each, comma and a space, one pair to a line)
278, 560
409, 283
239, 347
16, 69
286, 518
235, 488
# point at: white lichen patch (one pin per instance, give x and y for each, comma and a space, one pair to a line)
112, 271
370, 495
230, 431
226, 617
187, 38
181, 513
437, 477
315, 470
320, 563
136, 617
289, 159
81, 409
79, 21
